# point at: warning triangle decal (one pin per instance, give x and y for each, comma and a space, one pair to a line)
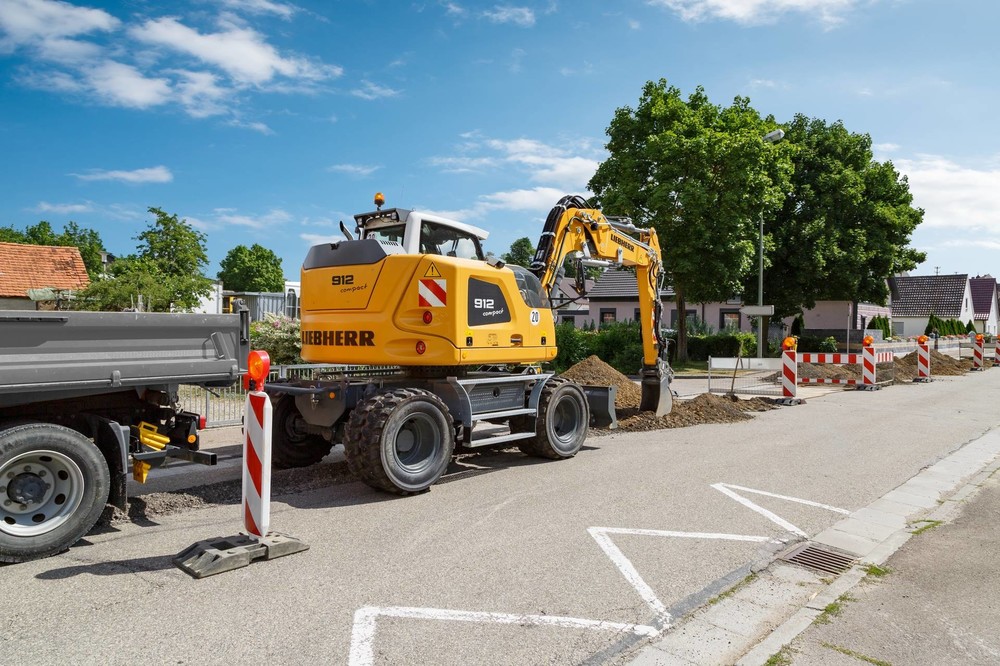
432, 272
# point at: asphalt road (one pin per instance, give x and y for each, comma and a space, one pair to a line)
509, 561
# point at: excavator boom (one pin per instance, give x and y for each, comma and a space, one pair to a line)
573, 230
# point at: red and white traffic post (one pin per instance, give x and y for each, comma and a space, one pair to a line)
978, 362
923, 360
214, 556
257, 449
789, 371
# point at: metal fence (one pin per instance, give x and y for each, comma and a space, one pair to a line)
224, 407
756, 376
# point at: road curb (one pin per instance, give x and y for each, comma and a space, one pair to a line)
758, 619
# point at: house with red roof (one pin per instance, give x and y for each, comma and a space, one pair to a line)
916, 297
39, 271
985, 303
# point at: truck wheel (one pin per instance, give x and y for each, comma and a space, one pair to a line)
400, 441
291, 444
563, 421
54, 483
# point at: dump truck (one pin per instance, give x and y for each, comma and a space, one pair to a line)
449, 344
89, 398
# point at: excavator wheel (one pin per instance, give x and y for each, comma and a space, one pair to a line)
400, 440
291, 444
563, 421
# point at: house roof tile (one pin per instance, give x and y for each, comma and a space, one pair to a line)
924, 295
24, 267
983, 295
616, 285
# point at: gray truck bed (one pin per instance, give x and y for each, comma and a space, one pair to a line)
44, 355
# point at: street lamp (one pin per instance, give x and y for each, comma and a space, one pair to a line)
771, 137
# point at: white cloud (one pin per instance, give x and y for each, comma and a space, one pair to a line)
459, 164
520, 16
953, 196
983, 243
750, 12
63, 209
354, 169
273, 219
201, 93
885, 147
279, 9
49, 25
369, 91
454, 10
241, 52
319, 239
763, 83
123, 85
255, 126
634, 25
157, 174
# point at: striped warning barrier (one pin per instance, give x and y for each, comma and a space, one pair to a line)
789, 373
996, 351
257, 464
923, 363
978, 362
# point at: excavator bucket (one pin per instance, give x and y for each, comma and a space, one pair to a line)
601, 400
656, 394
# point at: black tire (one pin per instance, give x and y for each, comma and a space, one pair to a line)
400, 441
291, 444
563, 421
54, 484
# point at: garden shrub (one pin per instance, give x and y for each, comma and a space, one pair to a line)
278, 335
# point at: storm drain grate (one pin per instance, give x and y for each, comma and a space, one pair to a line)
811, 556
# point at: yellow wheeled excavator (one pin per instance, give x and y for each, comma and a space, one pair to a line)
417, 313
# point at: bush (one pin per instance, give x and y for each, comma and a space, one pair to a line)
279, 337
814, 343
575, 344
721, 345
619, 344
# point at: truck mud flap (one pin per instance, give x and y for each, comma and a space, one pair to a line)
602, 406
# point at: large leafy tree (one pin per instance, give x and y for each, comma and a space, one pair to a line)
166, 272
522, 251
700, 174
253, 268
86, 240
845, 224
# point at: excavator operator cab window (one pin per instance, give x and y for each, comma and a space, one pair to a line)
530, 287
392, 233
448, 241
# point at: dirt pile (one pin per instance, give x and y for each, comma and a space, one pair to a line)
829, 371
592, 371
705, 408
941, 364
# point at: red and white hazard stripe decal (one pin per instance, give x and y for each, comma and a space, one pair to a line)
432, 293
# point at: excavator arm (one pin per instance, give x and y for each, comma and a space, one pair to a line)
585, 234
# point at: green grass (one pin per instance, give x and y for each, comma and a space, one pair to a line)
928, 525
782, 657
733, 590
875, 571
856, 655
690, 368
833, 609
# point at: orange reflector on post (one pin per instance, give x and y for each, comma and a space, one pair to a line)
258, 367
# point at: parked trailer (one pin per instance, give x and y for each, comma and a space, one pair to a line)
89, 397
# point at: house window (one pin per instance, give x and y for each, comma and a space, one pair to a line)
608, 315
673, 316
569, 320
729, 320
292, 304
635, 315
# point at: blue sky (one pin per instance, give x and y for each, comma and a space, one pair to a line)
264, 121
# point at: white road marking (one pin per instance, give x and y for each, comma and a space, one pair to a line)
365, 625
366, 619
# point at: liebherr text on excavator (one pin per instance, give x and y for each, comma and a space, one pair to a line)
451, 341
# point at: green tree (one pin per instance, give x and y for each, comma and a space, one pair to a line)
166, 272
702, 176
845, 224
522, 251
252, 269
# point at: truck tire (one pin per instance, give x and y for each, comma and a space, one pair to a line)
400, 441
291, 444
54, 484
563, 421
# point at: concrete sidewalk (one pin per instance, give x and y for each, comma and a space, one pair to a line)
925, 588
936, 601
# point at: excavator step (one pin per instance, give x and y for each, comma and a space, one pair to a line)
486, 439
